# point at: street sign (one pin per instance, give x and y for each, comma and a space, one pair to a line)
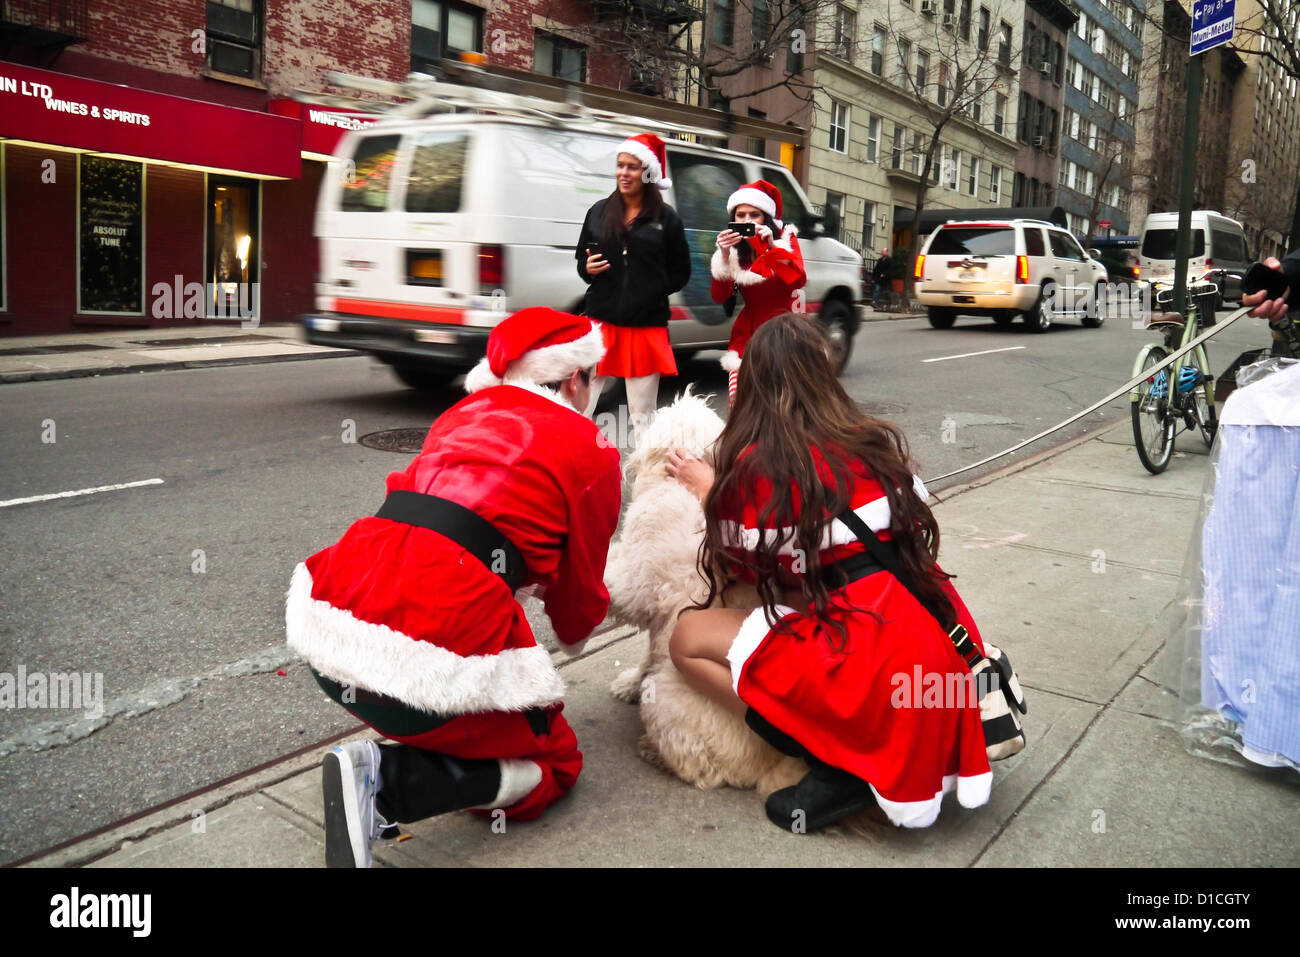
1212, 24
1103, 223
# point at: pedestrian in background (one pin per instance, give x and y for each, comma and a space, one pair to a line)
881, 273
764, 269
633, 255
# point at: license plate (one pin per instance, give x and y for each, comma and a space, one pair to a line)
439, 336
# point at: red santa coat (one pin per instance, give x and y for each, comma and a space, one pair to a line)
767, 286
405, 612
894, 706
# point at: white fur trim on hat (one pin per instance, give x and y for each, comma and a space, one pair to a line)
784, 241
548, 364
753, 197
730, 360
654, 171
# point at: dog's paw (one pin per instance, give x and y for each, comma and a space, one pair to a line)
627, 686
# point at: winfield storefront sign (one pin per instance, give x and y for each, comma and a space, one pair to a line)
43, 107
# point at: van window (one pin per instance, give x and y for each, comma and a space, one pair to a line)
367, 190
1228, 246
702, 185
974, 241
437, 171
793, 210
1034, 245
1163, 243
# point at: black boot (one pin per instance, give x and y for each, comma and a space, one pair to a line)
824, 796
417, 784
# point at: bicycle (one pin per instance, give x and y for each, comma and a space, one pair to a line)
1158, 410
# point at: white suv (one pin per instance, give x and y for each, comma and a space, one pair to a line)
1004, 268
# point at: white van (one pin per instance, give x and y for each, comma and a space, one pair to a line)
1217, 243
433, 230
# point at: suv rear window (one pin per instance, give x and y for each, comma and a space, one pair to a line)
1162, 243
372, 170
974, 241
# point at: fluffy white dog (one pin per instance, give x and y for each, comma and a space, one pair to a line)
651, 576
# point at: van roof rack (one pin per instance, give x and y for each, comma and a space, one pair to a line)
481, 91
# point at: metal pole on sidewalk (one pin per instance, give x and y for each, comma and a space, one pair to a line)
1191, 122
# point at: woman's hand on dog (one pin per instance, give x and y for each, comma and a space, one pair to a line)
695, 474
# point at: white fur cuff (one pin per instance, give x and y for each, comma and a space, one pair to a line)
724, 264
730, 360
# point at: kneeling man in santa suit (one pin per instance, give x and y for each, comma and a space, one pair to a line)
411, 622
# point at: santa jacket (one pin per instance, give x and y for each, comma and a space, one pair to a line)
767, 286
405, 612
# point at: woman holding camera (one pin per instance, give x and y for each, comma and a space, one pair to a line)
633, 255
758, 266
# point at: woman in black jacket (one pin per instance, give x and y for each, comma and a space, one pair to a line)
633, 255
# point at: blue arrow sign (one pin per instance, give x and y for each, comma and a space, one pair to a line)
1212, 24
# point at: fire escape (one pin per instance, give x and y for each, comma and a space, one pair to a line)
35, 32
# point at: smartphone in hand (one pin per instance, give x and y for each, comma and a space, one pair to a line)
741, 229
1260, 277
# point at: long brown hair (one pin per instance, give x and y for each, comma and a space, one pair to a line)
612, 228
789, 401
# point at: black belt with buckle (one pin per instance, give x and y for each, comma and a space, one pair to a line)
463, 526
850, 569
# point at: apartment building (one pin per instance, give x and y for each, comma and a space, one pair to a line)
1103, 64
1048, 24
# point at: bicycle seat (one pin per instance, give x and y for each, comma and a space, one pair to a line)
1159, 320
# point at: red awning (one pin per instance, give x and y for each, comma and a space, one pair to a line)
322, 127
44, 107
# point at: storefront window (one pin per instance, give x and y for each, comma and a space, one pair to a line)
110, 253
3, 273
234, 247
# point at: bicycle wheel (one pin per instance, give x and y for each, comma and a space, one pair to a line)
1207, 419
1153, 428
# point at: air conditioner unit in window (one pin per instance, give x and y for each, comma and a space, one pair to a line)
1039, 141
949, 19
928, 7
1045, 68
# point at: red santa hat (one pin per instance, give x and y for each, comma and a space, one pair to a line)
649, 149
760, 194
537, 345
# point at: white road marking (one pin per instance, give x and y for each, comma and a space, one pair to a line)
83, 491
967, 355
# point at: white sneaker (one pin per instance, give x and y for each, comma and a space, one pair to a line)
349, 782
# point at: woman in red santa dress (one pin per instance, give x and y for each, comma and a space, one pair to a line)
821, 669
765, 269
410, 621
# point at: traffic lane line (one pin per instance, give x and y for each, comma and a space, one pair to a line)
967, 355
84, 491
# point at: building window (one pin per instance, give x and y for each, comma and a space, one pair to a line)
873, 138
760, 24
995, 184
556, 56
973, 180
442, 30
1018, 190
724, 22
982, 37
904, 61
900, 145
834, 213
977, 104
1022, 128
918, 151
943, 84
794, 55
999, 113
965, 21
1004, 45
757, 145
878, 39
110, 238
839, 141
234, 247
234, 37
954, 170
868, 226
846, 33
922, 72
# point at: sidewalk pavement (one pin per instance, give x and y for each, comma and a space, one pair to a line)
1066, 560
70, 355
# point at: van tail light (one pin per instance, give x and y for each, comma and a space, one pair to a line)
1209, 263
1022, 269
491, 269
920, 266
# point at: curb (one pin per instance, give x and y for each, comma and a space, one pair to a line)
48, 374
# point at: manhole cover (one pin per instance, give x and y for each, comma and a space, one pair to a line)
395, 440
882, 408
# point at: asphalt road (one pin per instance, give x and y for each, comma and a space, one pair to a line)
174, 591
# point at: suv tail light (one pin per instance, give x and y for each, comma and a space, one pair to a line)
920, 267
491, 269
1022, 269
1209, 263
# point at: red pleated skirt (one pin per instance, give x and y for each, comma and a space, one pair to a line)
635, 351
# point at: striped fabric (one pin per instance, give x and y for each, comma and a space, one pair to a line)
732, 377
1250, 642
